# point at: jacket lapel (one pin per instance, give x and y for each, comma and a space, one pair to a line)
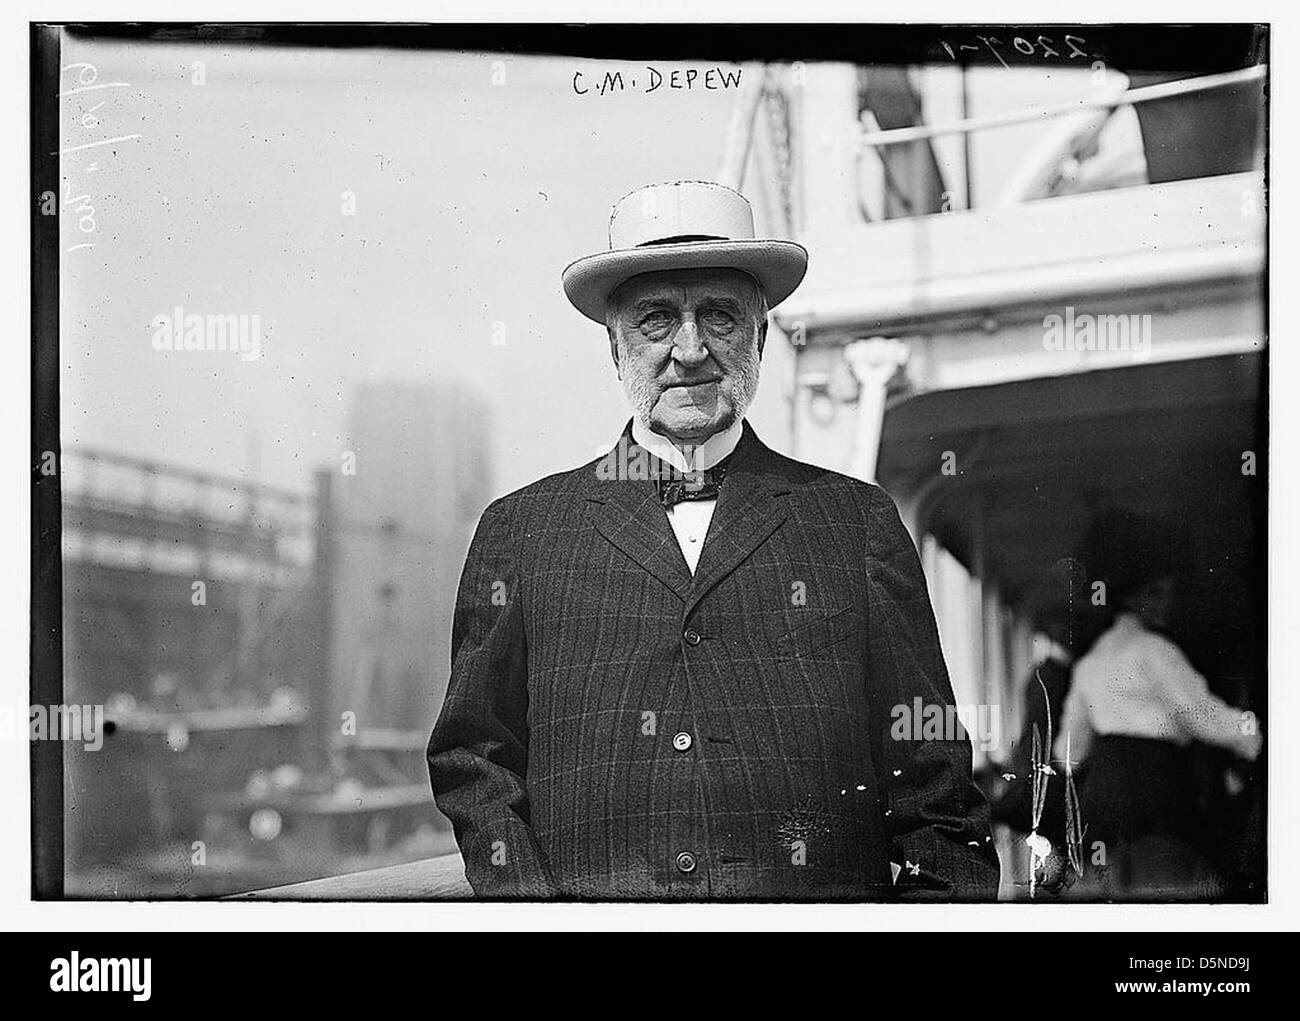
750, 508
627, 512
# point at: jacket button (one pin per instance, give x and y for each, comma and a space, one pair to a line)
686, 862
692, 636
682, 741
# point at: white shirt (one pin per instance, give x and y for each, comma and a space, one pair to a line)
1137, 683
690, 518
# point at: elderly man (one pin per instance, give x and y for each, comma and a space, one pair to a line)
675, 668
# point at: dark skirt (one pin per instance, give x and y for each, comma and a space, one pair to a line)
1137, 787
1138, 804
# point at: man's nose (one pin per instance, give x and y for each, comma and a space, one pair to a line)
688, 349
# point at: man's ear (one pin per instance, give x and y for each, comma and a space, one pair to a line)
762, 336
613, 346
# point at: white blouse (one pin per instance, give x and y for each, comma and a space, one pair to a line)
1136, 683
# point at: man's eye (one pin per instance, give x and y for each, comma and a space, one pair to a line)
718, 320
655, 322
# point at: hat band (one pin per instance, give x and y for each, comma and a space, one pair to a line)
678, 239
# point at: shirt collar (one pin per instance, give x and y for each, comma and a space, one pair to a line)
707, 454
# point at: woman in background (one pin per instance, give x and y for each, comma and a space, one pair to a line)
1135, 707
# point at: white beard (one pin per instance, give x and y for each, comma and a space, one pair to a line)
642, 394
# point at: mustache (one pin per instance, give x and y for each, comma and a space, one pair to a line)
643, 392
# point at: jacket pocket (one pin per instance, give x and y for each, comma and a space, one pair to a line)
813, 637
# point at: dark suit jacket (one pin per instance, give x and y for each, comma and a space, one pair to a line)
608, 712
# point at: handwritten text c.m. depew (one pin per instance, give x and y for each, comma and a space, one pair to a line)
653, 79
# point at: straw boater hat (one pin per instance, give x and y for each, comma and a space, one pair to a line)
683, 225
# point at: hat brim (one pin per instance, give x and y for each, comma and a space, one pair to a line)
778, 266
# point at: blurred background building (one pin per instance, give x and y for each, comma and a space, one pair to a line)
267, 658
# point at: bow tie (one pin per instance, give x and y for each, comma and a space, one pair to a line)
697, 485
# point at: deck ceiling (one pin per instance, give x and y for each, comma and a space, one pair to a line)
1036, 460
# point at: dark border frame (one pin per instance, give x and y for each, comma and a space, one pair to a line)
46, 648
1201, 47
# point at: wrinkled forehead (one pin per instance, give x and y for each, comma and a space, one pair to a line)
687, 286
